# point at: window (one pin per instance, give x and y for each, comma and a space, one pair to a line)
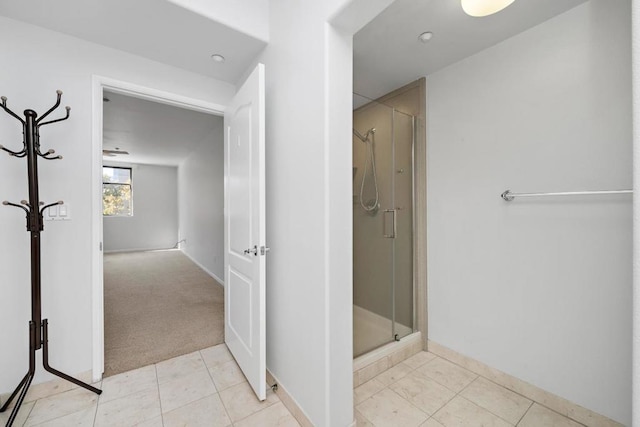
116, 191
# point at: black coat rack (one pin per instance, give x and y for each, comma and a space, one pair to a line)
34, 208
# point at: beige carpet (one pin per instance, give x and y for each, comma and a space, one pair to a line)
158, 305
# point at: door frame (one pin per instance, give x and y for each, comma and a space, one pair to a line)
99, 84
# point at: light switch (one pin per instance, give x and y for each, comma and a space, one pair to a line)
52, 213
62, 211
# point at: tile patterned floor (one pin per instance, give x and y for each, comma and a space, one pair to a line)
206, 388
428, 391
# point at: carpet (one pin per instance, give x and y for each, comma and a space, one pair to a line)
157, 305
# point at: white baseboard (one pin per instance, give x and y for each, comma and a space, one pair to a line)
289, 402
118, 251
217, 279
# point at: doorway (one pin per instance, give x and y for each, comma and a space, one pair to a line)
162, 241
102, 86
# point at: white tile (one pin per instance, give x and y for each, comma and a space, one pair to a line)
184, 390
460, 412
274, 416
61, 404
361, 420
155, 422
23, 413
419, 359
84, 418
431, 423
366, 390
392, 375
217, 355
448, 374
502, 402
240, 401
539, 416
128, 383
386, 408
179, 367
425, 393
206, 412
129, 410
226, 375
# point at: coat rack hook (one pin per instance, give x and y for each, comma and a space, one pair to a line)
59, 202
7, 203
47, 155
58, 99
5, 108
13, 153
57, 120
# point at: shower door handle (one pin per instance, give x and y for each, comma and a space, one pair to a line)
389, 223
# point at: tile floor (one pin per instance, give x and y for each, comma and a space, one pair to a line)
206, 388
428, 391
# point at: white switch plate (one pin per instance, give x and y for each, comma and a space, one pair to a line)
58, 213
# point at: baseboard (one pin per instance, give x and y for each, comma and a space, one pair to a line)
217, 279
289, 402
556, 403
119, 251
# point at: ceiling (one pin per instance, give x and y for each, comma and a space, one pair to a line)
154, 29
154, 133
387, 53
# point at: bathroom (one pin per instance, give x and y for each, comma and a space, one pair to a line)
534, 287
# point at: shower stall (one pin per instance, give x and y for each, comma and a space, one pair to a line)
383, 203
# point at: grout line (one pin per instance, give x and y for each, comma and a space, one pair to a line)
155, 368
226, 411
525, 412
478, 376
95, 414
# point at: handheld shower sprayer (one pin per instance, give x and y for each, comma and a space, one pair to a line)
369, 138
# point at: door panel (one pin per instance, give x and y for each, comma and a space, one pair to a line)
245, 230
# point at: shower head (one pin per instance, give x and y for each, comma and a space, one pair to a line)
366, 135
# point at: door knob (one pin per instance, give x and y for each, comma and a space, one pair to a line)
253, 251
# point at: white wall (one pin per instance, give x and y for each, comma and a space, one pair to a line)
201, 199
540, 288
308, 161
36, 63
154, 224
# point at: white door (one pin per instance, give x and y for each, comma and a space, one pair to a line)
244, 230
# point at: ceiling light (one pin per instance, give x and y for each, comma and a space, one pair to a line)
218, 58
425, 37
484, 7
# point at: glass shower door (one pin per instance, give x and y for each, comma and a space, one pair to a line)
372, 251
382, 226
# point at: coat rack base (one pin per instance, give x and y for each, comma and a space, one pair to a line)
23, 387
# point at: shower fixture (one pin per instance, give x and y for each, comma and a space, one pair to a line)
369, 138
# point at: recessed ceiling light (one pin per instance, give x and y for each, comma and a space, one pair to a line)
480, 8
425, 37
218, 58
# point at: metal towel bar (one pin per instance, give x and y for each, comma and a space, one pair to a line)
508, 196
